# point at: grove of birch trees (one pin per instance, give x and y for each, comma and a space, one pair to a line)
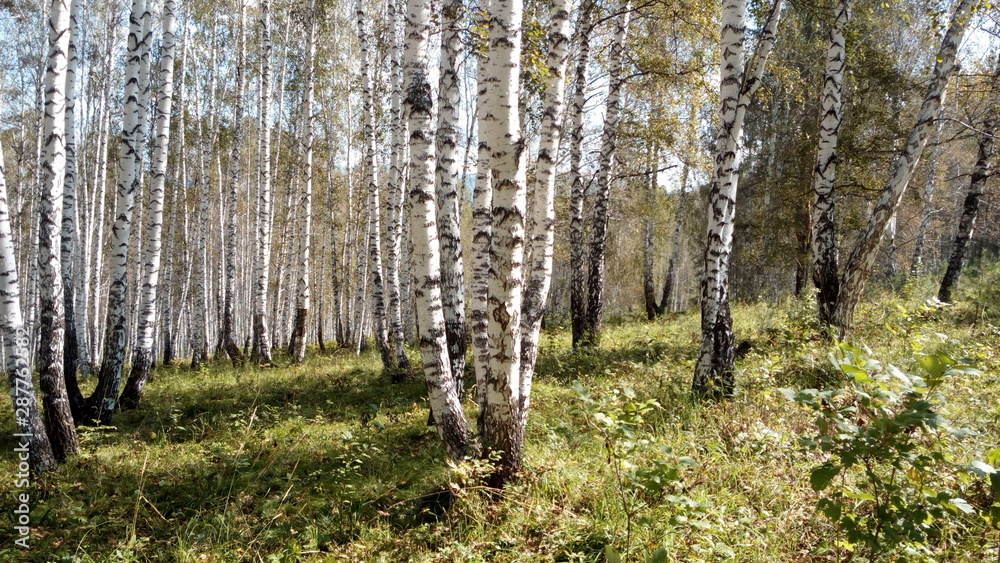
251, 182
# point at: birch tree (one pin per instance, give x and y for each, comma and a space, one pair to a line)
102, 403
981, 172
859, 265
68, 251
609, 139
824, 244
426, 264
30, 428
262, 260
452, 278
235, 169
297, 347
58, 416
578, 295
394, 223
737, 85
374, 223
142, 360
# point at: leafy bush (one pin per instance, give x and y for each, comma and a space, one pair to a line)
888, 483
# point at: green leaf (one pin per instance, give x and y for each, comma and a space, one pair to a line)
658, 556
612, 555
821, 476
961, 504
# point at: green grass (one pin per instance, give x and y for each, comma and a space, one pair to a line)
327, 461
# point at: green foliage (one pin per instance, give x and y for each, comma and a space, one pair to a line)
647, 474
887, 482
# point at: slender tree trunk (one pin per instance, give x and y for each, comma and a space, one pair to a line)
102, 403
648, 242
542, 222
394, 227
970, 207
58, 416
609, 139
298, 344
502, 433
670, 278
235, 169
917, 266
482, 219
578, 290
261, 339
417, 106
374, 223
890, 266
448, 219
862, 258
142, 360
68, 251
824, 237
714, 370
31, 433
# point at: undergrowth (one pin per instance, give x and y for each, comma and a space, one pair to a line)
329, 461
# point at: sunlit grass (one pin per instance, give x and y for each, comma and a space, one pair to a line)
329, 461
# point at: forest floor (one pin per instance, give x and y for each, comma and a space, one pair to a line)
327, 461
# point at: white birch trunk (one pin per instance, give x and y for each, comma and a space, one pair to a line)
824, 243
58, 416
426, 268
394, 214
502, 434
448, 217
917, 266
30, 428
235, 170
302, 290
374, 224
542, 222
262, 261
714, 369
862, 258
142, 359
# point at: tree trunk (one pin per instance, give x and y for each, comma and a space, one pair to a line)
394, 227
31, 431
448, 217
302, 293
261, 340
714, 369
143, 356
578, 296
862, 258
235, 169
542, 222
648, 288
102, 403
970, 208
443, 397
374, 223
824, 237
670, 278
609, 139
58, 416
68, 251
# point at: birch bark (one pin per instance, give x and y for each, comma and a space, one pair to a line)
859, 265
58, 416
262, 262
426, 267
824, 242
738, 83
142, 360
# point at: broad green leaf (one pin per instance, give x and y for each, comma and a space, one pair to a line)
658, 556
961, 504
612, 554
821, 476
